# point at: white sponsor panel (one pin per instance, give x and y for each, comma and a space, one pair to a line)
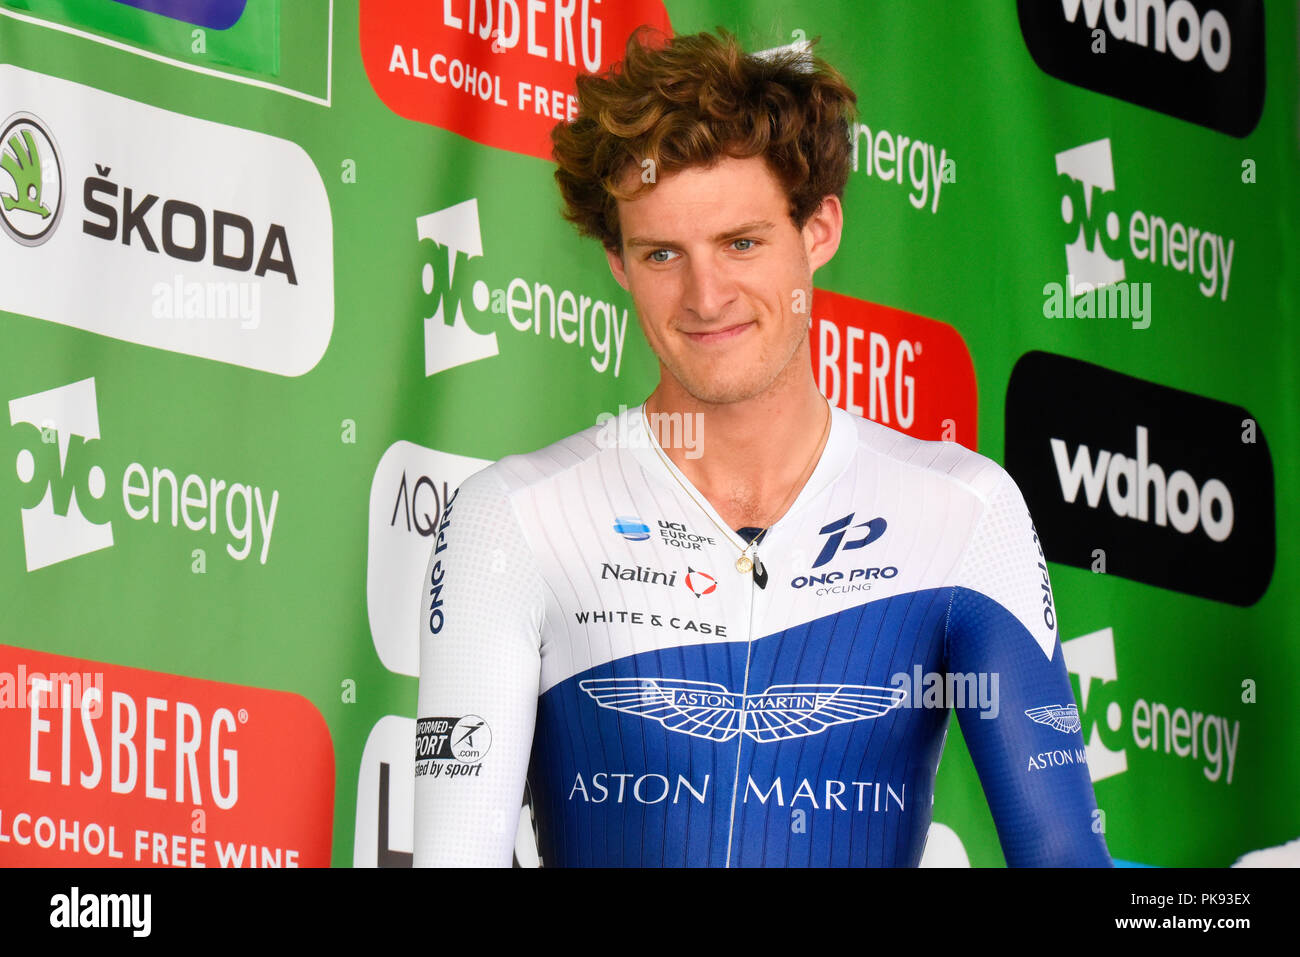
407, 495
161, 229
388, 764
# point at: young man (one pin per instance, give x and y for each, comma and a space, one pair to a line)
743, 652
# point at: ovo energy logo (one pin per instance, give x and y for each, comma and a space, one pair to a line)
56, 526
31, 202
537, 308
65, 511
1095, 232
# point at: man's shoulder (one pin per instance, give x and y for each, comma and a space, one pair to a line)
943, 460
522, 471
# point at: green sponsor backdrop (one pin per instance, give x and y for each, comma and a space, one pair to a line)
957, 76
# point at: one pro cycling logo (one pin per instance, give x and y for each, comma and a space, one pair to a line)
31, 180
838, 529
705, 709
63, 490
1095, 233
585, 322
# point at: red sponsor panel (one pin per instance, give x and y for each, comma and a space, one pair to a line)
902, 370
500, 72
107, 766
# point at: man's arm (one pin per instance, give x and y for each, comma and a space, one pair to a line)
481, 618
1026, 742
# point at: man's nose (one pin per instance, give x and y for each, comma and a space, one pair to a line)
709, 289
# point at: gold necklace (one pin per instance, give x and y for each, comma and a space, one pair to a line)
744, 563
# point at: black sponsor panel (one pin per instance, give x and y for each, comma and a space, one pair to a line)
1199, 60
1174, 488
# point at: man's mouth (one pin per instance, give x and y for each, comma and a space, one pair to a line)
718, 335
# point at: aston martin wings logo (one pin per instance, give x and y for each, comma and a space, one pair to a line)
1064, 718
705, 709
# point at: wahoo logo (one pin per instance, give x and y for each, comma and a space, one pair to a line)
1131, 478
1148, 495
62, 489
585, 322
31, 187
705, 709
1176, 29
1064, 718
1198, 60
837, 530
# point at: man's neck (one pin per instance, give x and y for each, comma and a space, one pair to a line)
749, 459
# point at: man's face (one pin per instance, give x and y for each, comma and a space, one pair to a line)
717, 269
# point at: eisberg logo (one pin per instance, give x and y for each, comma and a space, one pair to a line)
632, 528
1154, 484
582, 321
32, 205
705, 709
1197, 60
56, 528
836, 531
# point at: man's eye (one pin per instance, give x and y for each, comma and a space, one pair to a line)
743, 245
660, 256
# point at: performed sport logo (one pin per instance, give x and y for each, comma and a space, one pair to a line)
705, 709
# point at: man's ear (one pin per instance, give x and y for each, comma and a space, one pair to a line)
615, 257
822, 232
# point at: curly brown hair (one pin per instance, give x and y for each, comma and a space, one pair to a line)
688, 102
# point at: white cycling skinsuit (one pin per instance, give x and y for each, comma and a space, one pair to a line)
585, 632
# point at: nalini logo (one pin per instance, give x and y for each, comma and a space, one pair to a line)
705, 709
837, 530
31, 187
632, 528
584, 322
62, 490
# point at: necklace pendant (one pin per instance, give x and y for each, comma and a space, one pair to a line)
744, 564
